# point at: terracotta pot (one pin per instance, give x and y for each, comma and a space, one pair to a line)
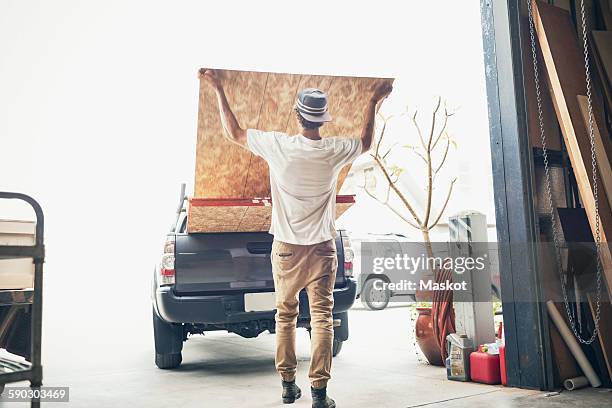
425, 337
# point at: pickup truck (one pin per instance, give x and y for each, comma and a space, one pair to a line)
223, 281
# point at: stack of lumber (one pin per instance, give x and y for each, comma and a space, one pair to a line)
565, 76
232, 186
565, 70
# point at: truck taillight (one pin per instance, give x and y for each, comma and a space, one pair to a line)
349, 256
166, 268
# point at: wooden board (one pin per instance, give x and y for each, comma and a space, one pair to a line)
228, 219
551, 127
603, 147
562, 56
265, 101
240, 215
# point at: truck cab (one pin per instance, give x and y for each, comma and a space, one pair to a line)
223, 281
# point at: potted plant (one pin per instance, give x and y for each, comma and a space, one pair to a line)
431, 149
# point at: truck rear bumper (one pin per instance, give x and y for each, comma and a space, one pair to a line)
224, 309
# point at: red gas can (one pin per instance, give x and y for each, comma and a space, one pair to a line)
502, 364
484, 367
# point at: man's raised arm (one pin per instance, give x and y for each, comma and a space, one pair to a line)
232, 128
367, 135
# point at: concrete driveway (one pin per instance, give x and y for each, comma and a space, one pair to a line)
378, 367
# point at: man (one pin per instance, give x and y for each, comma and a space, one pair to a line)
303, 173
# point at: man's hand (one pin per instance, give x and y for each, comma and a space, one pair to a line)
231, 127
381, 91
211, 77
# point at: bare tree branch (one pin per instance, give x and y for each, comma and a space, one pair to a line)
418, 128
430, 164
450, 190
443, 157
389, 206
389, 151
382, 133
412, 224
398, 192
433, 123
446, 116
368, 192
421, 156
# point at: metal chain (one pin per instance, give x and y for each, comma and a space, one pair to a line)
570, 313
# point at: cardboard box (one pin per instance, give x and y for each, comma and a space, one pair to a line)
17, 273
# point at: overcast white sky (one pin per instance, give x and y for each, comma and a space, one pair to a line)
98, 103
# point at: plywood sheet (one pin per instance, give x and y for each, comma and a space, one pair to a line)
265, 101
276, 108
240, 215
244, 90
562, 56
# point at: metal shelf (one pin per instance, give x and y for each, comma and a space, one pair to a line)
15, 251
12, 371
15, 297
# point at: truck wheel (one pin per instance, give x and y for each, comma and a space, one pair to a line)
337, 346
372, 298
168, 343
168, 361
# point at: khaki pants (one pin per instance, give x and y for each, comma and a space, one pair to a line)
310, 267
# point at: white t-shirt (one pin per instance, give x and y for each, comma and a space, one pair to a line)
303, 176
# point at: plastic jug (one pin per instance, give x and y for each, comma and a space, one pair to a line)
459, 347
484, 367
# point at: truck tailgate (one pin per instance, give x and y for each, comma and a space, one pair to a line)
219, 262
229, 261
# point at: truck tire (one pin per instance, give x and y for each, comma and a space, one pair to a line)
374, 299
168, 361
341, 332
337, 346
168, 343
